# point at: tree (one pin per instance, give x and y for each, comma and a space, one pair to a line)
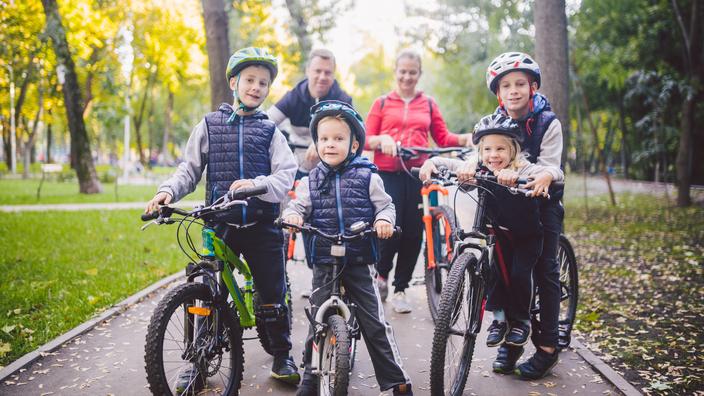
551, 54
80, 144
216, 28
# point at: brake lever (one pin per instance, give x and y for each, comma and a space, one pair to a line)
144, 227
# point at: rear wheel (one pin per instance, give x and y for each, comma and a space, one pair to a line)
187, 331
457, 326
443, 234
335, 358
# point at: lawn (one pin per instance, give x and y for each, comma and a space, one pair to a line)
642, 289
24, 192
60, 268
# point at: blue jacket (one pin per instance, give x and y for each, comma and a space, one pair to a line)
297, 102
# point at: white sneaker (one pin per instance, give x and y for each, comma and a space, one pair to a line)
383, 287
400, 303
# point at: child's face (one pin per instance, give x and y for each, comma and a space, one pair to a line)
496, 151
334, 141
515, 92
253, 86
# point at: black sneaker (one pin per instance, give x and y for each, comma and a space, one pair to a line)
506, 359
538, 366
497, 333
284, 369
519, 333
403, 389
189, 381
309, 385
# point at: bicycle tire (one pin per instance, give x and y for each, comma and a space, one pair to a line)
260, 325
335, 358
569, 291
166, 331
443, 220
462, 299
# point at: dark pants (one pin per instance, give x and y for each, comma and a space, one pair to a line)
405, 193
262, 247
519, 256
360, 285
547, 273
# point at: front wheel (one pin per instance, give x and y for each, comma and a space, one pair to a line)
188, 332
335, 358
457, 326
442, 243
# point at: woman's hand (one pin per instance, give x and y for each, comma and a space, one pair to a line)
242, 183
540, 184
466, 140
507, 177
384, 229
294, 219
427, 170
161, 198
386, 143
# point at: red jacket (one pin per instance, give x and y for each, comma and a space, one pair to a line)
409, 124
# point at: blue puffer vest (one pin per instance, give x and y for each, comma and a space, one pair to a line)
533, 126
238, 151
339, 199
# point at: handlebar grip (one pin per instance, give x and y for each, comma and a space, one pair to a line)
242, 193
150, 216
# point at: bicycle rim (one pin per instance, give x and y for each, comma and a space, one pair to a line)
335, 358
178, 340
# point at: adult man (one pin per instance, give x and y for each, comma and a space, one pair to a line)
319, 84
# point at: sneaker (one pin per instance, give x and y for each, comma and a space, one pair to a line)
506, 359
309, 385
305, 293
383, 287
189, 381
538, 366
518, 334
403, 389
400, 302
284, 369
497, 333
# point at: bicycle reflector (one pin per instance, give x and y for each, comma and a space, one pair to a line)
200, 311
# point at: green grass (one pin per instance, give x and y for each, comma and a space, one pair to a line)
642, 288
24, 192
61, 268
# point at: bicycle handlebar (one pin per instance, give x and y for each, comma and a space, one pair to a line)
408, 152
367, 230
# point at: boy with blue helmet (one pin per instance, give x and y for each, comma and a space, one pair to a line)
237, 146
342, 189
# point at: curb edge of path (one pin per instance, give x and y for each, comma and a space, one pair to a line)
604, 369
85, 327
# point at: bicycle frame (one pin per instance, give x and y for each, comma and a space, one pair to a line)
442, 198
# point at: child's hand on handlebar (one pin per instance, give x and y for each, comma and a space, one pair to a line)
507, 177
384, 229
426, 171
466, 172
242, 183
161, 198
294, 219
540, 184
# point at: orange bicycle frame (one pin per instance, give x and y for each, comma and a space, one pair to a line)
425, 192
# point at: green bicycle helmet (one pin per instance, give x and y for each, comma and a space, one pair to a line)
251, 56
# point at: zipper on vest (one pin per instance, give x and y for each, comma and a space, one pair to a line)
240, 130
339, 203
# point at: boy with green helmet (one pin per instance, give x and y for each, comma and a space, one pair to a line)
237, 146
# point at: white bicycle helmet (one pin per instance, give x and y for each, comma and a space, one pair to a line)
508, 62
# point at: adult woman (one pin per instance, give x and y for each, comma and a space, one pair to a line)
405, 115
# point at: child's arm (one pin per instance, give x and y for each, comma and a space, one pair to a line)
283, 170
465, 169
551, 148
189, 172
299, 208
384, 210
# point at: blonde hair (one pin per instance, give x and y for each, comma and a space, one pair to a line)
410, 54
516, 157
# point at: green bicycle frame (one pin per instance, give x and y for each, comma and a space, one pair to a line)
216, 247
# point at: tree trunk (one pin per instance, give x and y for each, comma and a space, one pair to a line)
137, 119
684, 153
625, 155
551, 53
48, 140
215, 19
80, 143
299, 28
167, 128
29, 144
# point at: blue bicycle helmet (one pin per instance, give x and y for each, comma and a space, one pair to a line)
333, 108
